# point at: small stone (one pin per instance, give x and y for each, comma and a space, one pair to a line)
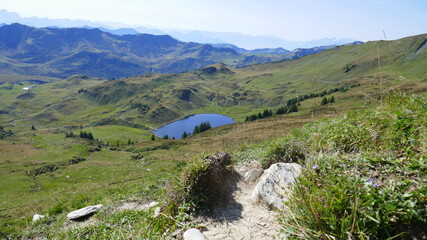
37, 217
156, 211
83, 212
153, 204
193, 234
253, 175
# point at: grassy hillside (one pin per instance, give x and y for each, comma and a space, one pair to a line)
236, 92
53, 174
153, 100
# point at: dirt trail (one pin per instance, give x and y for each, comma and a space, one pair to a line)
240, 218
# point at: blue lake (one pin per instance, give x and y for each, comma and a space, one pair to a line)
187, 124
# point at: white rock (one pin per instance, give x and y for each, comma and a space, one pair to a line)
84, 212
156, 211
152, 204
253, 174
193, 234
37, 217
273, 187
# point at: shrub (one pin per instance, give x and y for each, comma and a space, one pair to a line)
289, 151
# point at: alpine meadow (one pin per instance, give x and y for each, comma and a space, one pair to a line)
328, 142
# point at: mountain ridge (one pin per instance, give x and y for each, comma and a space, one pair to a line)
62, 52
206, 37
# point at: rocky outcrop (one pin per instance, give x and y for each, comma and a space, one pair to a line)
273, 187
84, 212
193, 234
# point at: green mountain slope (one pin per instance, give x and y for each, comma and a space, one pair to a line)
123, 164
354, 70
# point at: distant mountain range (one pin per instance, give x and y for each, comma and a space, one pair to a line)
62, 52
241, 40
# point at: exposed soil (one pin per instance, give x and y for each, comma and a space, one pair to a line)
239, 218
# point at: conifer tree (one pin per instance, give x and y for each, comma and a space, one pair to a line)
184, 134
324, 101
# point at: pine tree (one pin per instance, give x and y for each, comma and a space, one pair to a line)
153, 138
196, 129
281, 110
90, 136
293, 108
184, 134
266, 114
166, 137
332, 99
32, 127
324, 101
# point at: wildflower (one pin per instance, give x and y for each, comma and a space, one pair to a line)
316, 168
376, 185
371, 180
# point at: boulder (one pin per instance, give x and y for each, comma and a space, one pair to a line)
83, 212
273, 187
253, 175
37, 217
193, 234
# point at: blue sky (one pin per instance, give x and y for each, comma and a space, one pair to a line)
288, 19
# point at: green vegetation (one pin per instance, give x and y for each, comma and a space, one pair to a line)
369, 166
204, 126
364, 174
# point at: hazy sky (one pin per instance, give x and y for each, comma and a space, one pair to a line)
288, 19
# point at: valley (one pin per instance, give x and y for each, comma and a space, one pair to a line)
45, 169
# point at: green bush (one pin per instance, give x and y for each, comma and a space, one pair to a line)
288, 151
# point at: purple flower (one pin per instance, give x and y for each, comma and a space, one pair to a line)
376, 185
315, 166
371, 180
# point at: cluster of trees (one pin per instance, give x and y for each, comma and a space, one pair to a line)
82, 134
204, 126
289, 108
325, 100
4, 133
292, 104
265, 114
